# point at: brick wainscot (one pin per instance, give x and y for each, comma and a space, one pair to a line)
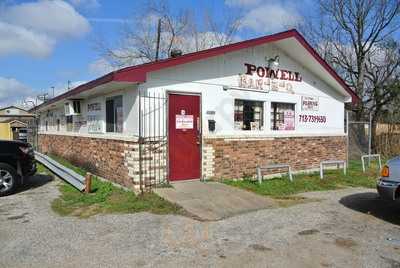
239, 157
113, 159
118, 160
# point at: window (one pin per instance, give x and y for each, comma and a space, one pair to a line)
47, 125
67, 109
282, 116
58, 124
248, 115
114, 114
77, 106
69, 122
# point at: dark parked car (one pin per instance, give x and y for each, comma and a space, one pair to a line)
17, 161
389, 183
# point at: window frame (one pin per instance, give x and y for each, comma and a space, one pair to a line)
261, 120
114, 123
273, 120
76, 106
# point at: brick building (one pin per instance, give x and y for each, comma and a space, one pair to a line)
216, 113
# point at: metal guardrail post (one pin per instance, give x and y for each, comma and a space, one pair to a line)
369, 160
331, 162
290, 174
259, 176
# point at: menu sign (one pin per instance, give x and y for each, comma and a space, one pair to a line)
309, 103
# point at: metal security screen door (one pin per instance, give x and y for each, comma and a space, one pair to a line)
184, 137
152, 139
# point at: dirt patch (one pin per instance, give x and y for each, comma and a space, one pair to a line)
308, 232
345, 242
86, 212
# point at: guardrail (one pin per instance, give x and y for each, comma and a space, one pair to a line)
378, 156
76, 180
330, 163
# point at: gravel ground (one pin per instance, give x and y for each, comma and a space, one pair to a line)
347, 228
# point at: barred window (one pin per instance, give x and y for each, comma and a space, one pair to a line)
282, 116
248, 115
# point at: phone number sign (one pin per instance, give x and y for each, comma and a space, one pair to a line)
306, 118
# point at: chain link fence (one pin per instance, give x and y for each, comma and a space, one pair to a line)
359, 136
363, 140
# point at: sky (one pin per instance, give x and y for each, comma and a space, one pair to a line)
46, 43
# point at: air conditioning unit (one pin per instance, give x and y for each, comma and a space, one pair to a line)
72, 107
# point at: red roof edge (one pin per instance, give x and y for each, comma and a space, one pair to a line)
138, 73
143, 69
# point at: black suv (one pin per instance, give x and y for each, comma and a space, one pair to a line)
17, 161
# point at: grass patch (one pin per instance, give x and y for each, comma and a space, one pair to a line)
281, 188
41, 169
106, 198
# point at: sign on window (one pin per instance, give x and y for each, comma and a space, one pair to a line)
184, 121
94, 122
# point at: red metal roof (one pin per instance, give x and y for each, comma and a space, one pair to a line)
138, 73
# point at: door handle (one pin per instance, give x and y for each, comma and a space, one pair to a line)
198, 131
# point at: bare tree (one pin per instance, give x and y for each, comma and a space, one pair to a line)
179, 29
355, 37
382, 72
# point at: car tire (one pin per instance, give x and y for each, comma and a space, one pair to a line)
8, 179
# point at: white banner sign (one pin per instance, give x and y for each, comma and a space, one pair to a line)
309, 103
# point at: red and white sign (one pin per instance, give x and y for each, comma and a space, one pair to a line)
309, 103
288, 120
184, 121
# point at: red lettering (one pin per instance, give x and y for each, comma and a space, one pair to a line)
273, 73
290, 76
283, 75
260, 71
250, 68
298, 77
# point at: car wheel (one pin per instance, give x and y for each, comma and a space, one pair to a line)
8, 179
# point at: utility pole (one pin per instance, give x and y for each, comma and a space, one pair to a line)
370, 139
158, 39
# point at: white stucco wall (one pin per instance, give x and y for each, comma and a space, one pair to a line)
208, 77
128, 94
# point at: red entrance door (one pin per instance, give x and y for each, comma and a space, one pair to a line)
184, 137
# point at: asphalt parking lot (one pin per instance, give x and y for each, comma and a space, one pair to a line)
345, 228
